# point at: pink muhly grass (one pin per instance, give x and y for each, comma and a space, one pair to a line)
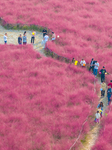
42, 100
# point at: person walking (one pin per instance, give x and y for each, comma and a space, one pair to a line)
110, 84
97, 117
24, 39
96, 65
33, 37
102, 72
83, 63
46, 38
44, 32
91, 65
103, 88
5, 38
109, 92
100, 106
20, 40
75, 62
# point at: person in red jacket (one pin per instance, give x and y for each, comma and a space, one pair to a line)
110, 84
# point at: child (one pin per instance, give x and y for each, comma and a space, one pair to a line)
97, 117
100, 106
5, 38
100, 111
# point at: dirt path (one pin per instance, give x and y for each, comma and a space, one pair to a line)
13, 38
93, 134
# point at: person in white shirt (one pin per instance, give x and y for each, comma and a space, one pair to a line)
97, 117
96, 65
83, 63
46, 38
53, 36
5, 38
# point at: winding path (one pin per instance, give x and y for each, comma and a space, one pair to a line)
13, 39
94, 133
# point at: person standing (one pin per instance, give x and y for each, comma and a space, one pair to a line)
83, 63
33, 37
20, 40
53, 36
91, 65
96, 65
97, 117
75, 62
25, 32
103, 88
109, 91
102, 72
46, 38
110, 84
44, 32
24, 39
5, 38
100, 106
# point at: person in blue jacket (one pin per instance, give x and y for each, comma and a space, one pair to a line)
20, 40
109, 93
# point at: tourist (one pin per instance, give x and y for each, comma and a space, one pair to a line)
73, 60
33, 37
46, 38
100, 106
100, 111
97, 117
24, 32
102, 72
110, 84
94, 61
103, 88
83, 63
96, 65
109, 92
53, 36
5, 38
24, 39
20, 40
44, 32
91, 65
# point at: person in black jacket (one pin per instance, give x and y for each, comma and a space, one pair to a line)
44, 32
91, 65
103, 71
20, 40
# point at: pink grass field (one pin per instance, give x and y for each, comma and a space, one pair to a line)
43, 102
104, 141
84, 26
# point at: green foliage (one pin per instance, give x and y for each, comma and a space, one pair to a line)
84, 140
